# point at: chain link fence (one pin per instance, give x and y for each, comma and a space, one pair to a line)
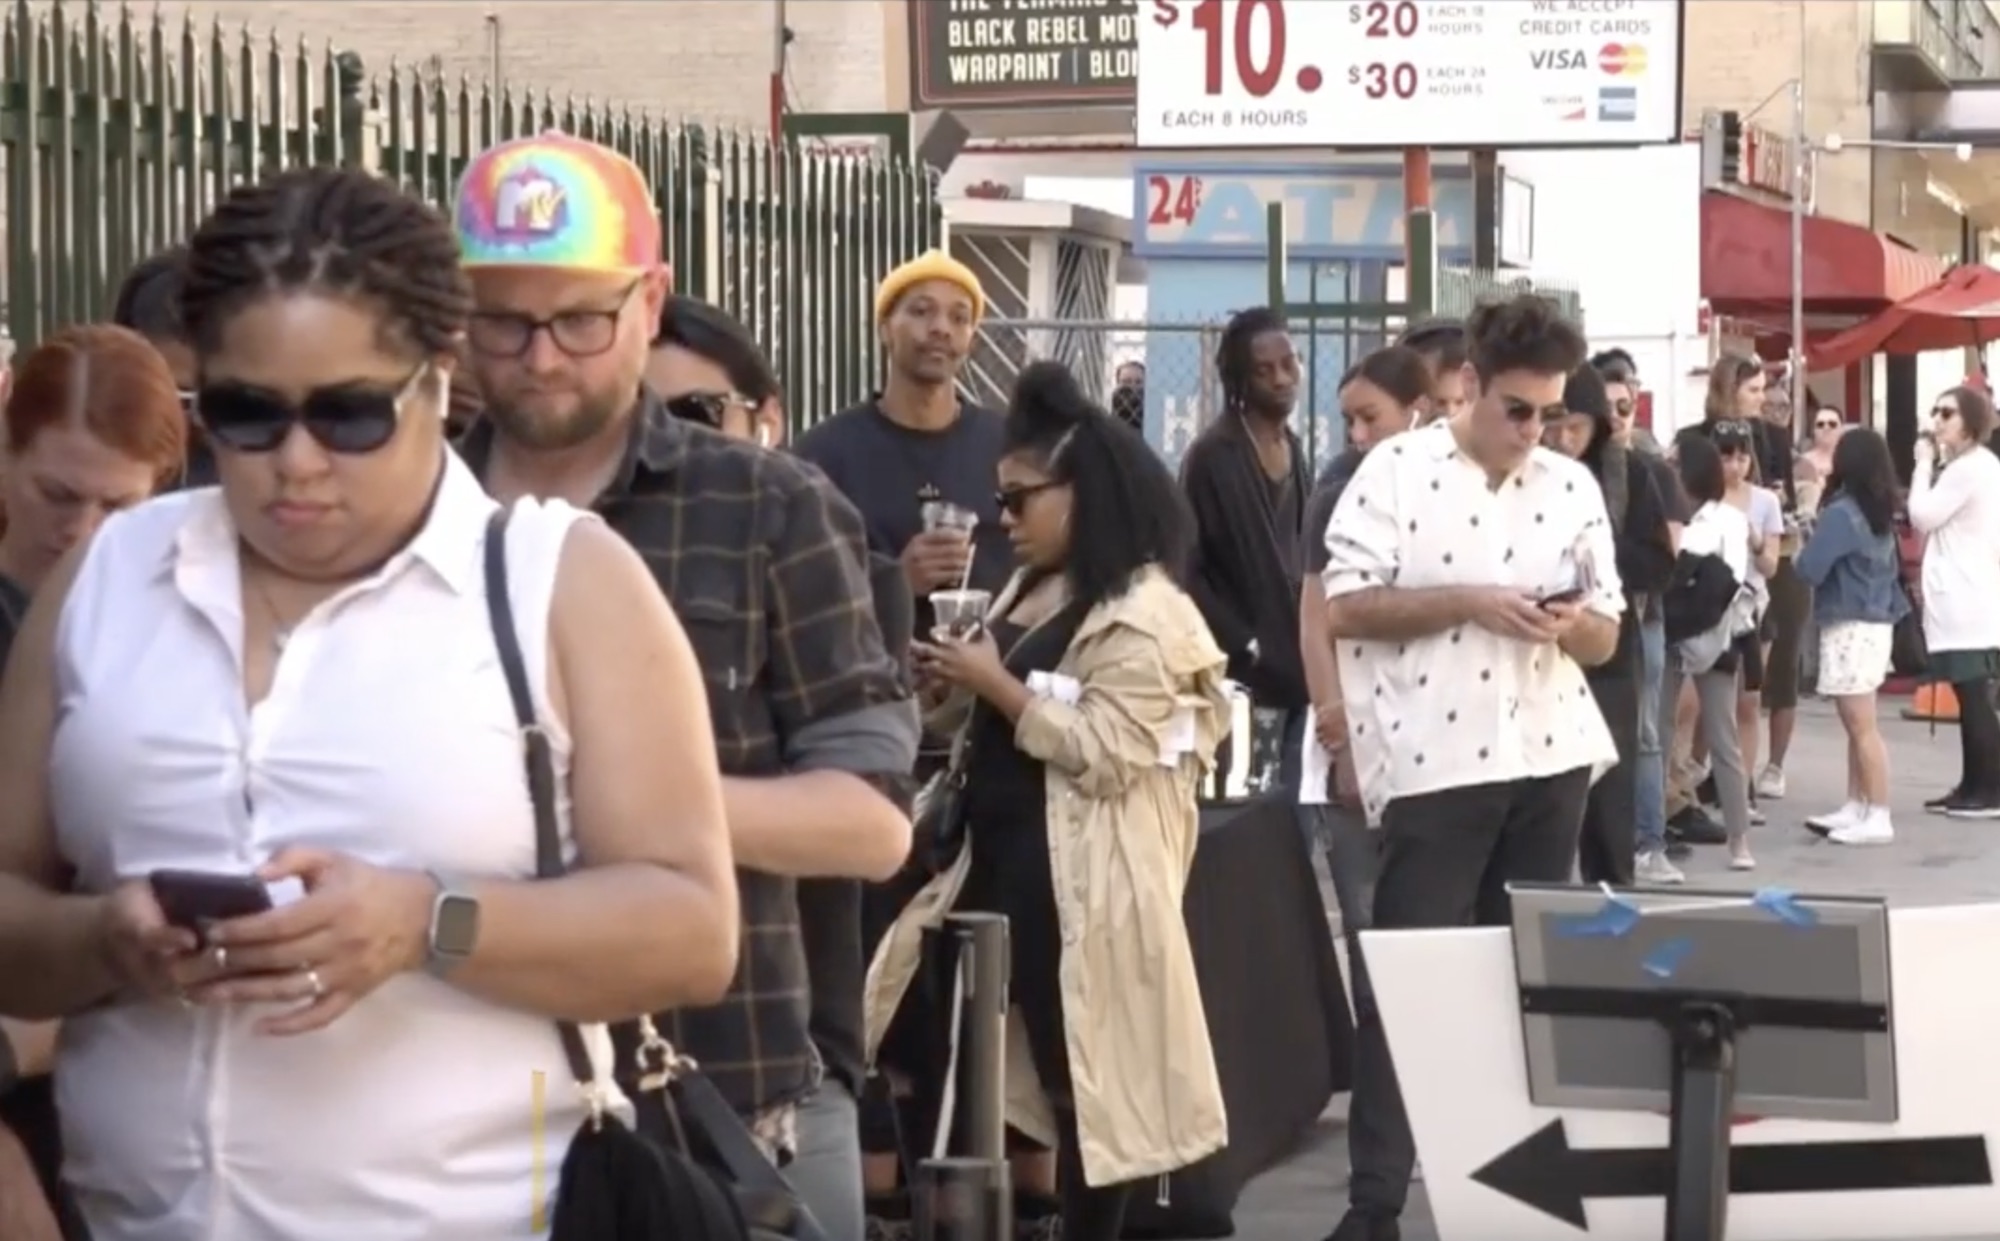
1160, 374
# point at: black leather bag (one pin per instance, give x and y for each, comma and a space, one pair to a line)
653, 1181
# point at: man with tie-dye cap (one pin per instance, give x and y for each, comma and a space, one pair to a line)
765, 562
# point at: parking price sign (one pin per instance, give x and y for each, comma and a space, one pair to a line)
1229, 74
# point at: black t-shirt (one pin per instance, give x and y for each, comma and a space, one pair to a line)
886, 469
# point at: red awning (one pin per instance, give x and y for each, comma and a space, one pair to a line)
1746, 261
1959, 310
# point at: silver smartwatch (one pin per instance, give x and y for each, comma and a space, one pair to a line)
454, 926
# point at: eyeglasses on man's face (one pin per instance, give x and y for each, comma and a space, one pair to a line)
578, 333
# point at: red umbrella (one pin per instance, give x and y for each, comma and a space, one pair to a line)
1962, 308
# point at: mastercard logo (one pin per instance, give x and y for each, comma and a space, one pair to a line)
1622, 60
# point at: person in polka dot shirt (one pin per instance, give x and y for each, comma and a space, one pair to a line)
1471, 576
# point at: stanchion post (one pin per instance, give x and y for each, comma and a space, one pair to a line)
981, 1111
964, 1200
970, 1197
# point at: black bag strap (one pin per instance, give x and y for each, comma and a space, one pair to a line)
540, 762
707, 1112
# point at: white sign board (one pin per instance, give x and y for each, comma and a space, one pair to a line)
1229, 74
1452, 1011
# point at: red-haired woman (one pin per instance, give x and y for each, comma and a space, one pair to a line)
93, 424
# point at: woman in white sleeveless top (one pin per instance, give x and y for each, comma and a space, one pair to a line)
293, 675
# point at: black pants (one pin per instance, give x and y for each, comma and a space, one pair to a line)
1087, 1214
1978, 739
1608, 847
1447, 858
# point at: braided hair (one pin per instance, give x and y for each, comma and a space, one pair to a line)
1126, 511
335, 230
1235, 363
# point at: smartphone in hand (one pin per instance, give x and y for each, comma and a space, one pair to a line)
194, 900
1574, 594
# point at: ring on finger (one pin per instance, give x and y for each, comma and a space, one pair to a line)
317, 984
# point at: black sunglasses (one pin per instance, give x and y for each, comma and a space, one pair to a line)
1944, 412
1624, 408
1013, 501
344, 418
706, 408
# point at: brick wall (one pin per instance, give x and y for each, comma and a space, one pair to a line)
707, 59
1741, 51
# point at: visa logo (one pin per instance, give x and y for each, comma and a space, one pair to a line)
1553, 58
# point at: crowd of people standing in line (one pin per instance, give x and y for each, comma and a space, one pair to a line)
312, 431
358, 404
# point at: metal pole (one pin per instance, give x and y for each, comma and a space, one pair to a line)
970, 1197
981, 942
1799, 165
964, 1200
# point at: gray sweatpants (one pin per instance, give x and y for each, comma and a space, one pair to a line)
1715, 702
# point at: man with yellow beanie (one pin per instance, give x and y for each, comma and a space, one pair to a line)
916, 459
922, 465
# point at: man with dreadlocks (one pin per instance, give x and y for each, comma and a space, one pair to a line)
1246, 480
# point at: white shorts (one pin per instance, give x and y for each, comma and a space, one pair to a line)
1853, 657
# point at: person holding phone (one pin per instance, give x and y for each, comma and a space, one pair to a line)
316, 695
1439, 556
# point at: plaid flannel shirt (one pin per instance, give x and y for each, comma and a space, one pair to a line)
766, 565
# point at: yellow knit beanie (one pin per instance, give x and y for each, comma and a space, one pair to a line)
930, 265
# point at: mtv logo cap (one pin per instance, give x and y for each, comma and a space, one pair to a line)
555, 200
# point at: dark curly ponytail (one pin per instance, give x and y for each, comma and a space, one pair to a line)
331, 229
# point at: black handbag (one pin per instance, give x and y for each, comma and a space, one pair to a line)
937, 819
651, 1182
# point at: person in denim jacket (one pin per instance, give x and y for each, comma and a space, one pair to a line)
1850, 563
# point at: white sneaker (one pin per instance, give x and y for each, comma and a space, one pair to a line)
1757, 818
1654, 868
1771, 782
1873, 828
1832, 821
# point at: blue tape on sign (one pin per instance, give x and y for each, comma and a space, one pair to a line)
1615, 918
1664, 961
1784, 906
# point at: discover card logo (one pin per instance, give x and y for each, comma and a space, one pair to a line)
1566, 107
1617, 103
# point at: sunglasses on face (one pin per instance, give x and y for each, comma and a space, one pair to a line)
1522, 413
1944, 413
1833, 424
343, 418
578, 333
1013, 501
706, 408
1623, 408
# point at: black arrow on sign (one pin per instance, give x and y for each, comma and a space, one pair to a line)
1544, 1172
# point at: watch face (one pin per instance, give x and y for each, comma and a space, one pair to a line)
457, 925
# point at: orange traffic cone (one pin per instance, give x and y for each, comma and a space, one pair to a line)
1933, 701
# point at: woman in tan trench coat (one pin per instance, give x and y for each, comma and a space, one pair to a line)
1092, 703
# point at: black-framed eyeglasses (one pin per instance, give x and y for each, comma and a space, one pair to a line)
578, 333
349, 418
706, 408
1013, 501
